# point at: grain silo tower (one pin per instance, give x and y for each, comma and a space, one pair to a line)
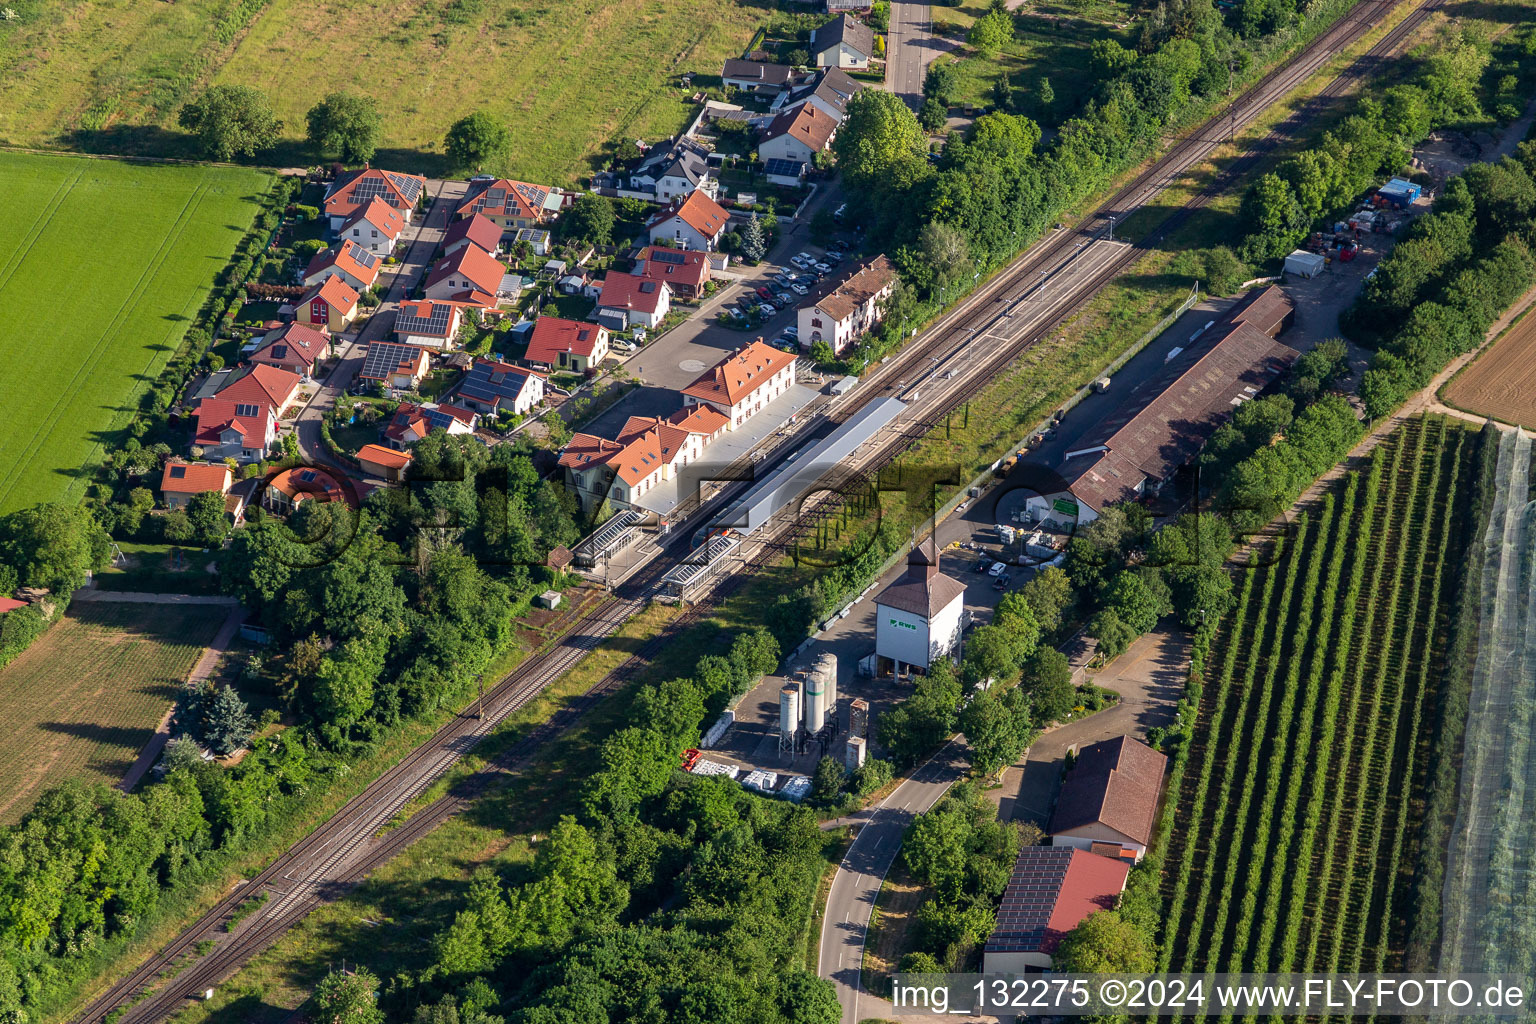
789, 717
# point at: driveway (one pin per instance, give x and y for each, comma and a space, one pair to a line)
424, 236
1149, 677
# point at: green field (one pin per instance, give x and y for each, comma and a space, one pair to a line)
102, 266
566, 77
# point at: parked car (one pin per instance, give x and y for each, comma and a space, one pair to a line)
767, 309
807, 257
998, 568
822, 268
801, 261
764, 292
982, 565
784, 298
783, 277
791, 332
832, 258
799, 289
1001, 583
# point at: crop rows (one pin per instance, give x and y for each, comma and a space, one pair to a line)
1309, 754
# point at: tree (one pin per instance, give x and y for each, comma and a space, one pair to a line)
1130, 597
226, 721
205, 513
180, 752
997, 725
932, 115
827, 782
1104, 943
1049, 594
231, 121
348, 998
54, 546
945, 250
345, 125
942, 82
753, 244
991, 33
1045, 97
1047, 681
590, 219
879, 133
477, 141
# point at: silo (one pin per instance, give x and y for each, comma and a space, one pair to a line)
853, 754
826, 666
815, 702
789, 715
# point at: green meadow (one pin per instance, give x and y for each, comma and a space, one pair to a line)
103, 265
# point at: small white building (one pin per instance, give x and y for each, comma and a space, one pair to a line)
919, 616
1306, 264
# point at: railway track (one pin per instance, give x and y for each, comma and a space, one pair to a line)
356, 839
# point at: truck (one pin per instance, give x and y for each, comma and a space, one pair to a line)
1101, 385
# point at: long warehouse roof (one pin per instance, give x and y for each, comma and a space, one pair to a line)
793, 479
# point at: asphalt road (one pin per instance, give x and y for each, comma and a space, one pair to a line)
422, 239
910, 47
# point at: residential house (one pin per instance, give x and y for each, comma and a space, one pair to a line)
357, 267
375, 226
509, 204
693, 223
476, 229
470, 275
567, 344
493, 387
743, 382
331, 305
847, 305
1108, 801
297, 348
672, 170
766, 80
395, 365
226, 428
1050, 892
685, 271
384, 463
843, 42
286, 491
355, 189
413, 422
827, 89
1166, 419
797, 135
428, 323
180, 482
628, 301
263, 384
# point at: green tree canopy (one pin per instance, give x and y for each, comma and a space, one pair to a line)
1105, 943
590, 219
231, 121
345, 125
879, 135
348, 998
477, 142
54, 546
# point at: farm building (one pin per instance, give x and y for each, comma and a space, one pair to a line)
1050, 892
1166, 420
1108, 802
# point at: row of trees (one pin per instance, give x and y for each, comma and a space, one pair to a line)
376, 615
1435, 296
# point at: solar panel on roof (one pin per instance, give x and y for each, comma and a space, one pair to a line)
435, 323
786, 168
384, 358
177, 472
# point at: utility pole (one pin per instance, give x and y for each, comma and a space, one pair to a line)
480, 709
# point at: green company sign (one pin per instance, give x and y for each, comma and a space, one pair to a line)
903, 625
1065, 507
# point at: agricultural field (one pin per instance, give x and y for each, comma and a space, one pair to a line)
1296, 838
88, 693
1489, 902
102, 266
565, 77
1501, 382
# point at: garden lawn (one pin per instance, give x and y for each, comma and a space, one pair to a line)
88, 693
103, 265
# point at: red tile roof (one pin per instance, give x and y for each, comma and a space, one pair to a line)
474, 264
552, 336
700, 419
740, 374
348, 257
388, 221
294, 347
477, 229
354, 188
194, 478
507, 199
216, 415
675, 266
586, 450
381, 456
10, 604
427, 318
1050, 892
842, 296
699, 212
626, 291
334, 292
304, 482
260, 384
